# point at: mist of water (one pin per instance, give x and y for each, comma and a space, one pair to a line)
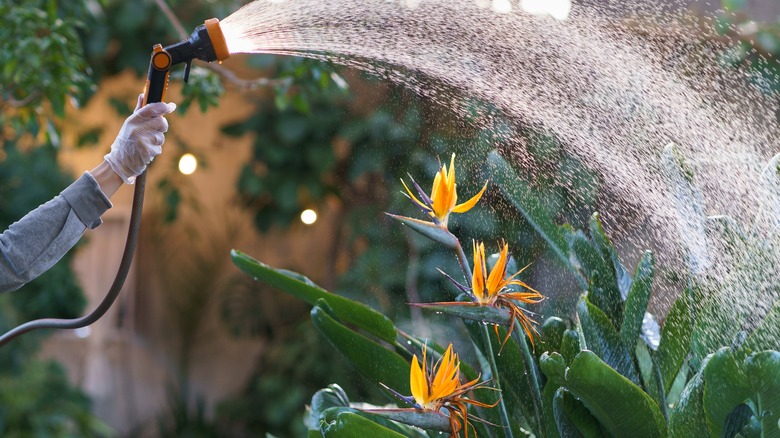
616, 82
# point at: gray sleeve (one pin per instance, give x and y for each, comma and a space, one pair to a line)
36, 242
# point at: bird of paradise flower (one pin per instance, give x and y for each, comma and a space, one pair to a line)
493, 290
439, 387
444, 196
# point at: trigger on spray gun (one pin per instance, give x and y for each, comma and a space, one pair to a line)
187, 68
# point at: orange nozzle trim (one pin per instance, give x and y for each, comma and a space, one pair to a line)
217, 39
161, 60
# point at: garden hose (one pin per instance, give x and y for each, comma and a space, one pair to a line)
206, 43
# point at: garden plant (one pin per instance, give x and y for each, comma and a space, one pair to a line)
609, 370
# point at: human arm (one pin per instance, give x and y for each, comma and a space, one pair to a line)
36, 242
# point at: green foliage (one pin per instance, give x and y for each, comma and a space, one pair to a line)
39, 401
44, 67
612, 371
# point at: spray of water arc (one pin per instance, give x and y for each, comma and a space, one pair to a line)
617, 90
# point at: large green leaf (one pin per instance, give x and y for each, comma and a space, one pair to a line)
553, 329
375, 362
322, 400
687, 419
520, 194
764, 371
573, 418
304, 289
602, 285
602, 243
603, 340
729, 383
725, 387
675, 339
621, 407
636, 301
351, 425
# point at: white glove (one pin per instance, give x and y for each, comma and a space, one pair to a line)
139, 140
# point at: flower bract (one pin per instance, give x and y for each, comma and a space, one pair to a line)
493, 289
439, 387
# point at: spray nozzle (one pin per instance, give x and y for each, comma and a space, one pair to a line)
207, 43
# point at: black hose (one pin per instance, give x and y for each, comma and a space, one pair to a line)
116, 287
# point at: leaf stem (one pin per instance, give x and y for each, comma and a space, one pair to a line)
494, 371
532, 372
464, 263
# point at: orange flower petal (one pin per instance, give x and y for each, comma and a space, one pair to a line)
468, 205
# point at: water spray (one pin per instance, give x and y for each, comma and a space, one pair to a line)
206, 43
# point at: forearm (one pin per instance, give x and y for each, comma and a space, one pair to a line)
106, 178
37, 241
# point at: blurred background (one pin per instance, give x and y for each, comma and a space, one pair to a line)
193, 347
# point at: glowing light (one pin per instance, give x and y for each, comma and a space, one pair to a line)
558, 9
188, 164
308, 216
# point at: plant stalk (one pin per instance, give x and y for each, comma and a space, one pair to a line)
532, 372
464, 263
494, 370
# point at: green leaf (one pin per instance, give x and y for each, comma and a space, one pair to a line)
602, 243
520, 194
603, 340
548, 416
687, 419
636, 302
352, 425
573, 418
621, 407
566, 426
675, 340
429, 230
570, 346
602, 285
764, 371
326, 398
302, 288
553, 329
373, 360
726, 386
553, 366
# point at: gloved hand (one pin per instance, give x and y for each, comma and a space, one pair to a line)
139, 140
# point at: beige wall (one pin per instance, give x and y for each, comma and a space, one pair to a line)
126, 360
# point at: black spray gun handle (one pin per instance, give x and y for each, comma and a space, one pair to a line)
206, 43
